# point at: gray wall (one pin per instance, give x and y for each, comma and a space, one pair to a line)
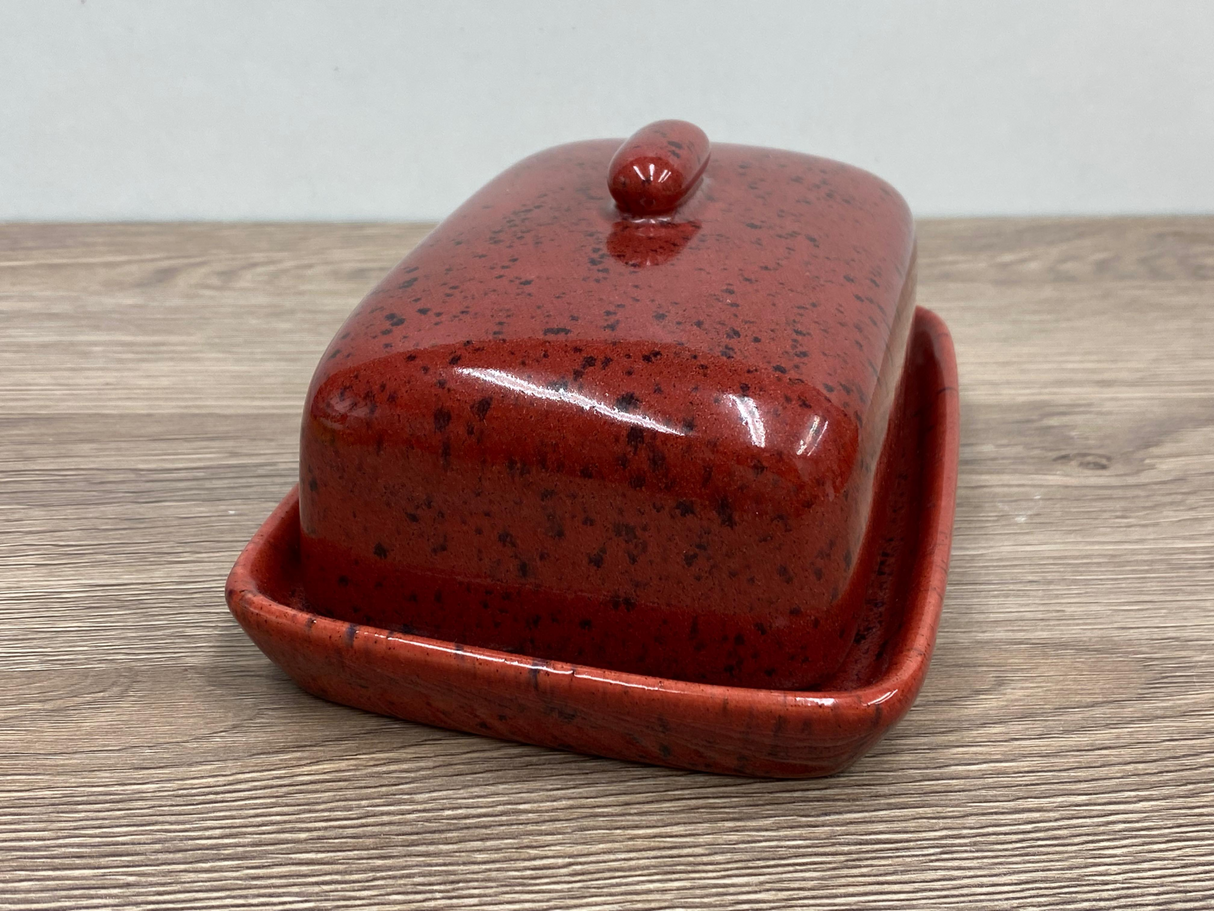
318, 109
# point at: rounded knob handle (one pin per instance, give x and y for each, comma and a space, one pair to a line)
658, 167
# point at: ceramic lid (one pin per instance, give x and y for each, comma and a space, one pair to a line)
697, 343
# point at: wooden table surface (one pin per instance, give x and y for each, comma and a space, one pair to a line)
1061, 754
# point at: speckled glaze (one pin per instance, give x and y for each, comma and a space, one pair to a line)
568, 429
603, 711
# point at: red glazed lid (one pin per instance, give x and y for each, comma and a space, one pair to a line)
625, 407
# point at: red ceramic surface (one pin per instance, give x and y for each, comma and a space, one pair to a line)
729, 729
568, 429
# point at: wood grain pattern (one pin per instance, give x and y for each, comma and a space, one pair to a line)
1061, 755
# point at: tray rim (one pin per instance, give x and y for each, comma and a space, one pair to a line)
863, 713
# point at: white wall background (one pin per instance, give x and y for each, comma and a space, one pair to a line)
357, 109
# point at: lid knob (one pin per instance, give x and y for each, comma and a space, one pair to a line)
658, 167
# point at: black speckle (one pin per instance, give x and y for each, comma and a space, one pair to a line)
627, 403
442, 418
624, 530
481, 408
557, 330
381, 551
